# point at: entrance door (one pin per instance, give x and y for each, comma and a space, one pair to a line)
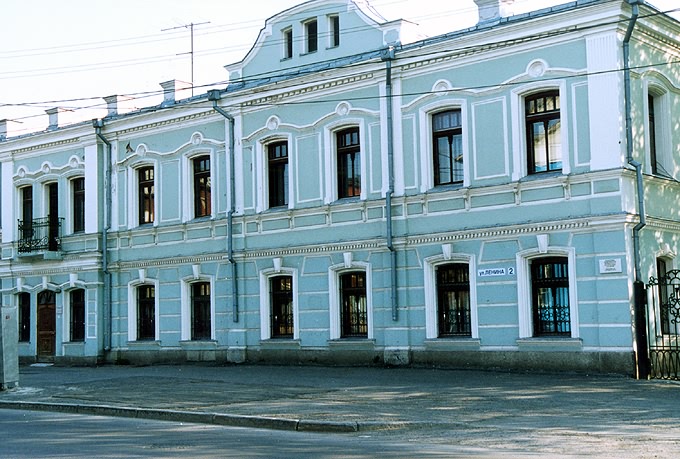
46, 326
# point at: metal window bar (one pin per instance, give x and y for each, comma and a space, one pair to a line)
664, 325
41, 234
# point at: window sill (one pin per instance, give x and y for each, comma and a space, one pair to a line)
447, 187
308, 53
541, 176
550, 344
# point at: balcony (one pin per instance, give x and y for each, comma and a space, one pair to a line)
40, 235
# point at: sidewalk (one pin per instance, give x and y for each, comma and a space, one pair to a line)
355, 399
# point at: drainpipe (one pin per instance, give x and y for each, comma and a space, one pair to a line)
388, 57
643, 365
629, 138
98, 125
214, 96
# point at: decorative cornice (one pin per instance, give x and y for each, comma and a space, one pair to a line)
167, 262
168, 122
45, 146
317, 87
325, 248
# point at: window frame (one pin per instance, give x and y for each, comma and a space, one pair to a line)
199, 188
205, 302
266, 310
78, 205
77, 319
658, 138
272, 165
342, 153
333, 30
287, 43
24, 316
545, 117
143, 198
456, 287
133, 296
186, 325
450, 133
524, 290
27, 211
553, 280
311, 36
277, 306
335, 300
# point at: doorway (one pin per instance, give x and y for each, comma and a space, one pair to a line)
46, 326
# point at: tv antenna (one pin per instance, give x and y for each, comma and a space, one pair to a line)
189, 26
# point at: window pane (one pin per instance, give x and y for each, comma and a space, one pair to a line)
202, 187
24, 317
550, 290
278, 174
77, 315
311, 30
146, 195
349, 163
453, 300
146, 313
78, 185
555, 144
354, 313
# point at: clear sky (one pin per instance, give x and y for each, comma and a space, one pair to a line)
71, 53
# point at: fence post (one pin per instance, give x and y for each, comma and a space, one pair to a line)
640, 321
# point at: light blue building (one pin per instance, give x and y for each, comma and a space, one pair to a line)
359, 194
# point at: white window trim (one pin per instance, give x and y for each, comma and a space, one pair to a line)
66, 321
430, 276
265, 301
331, 30
305, 33
426, 146
334, 295
284, 43
519, 141
331, 157
663, 131
69, 221
524, 297
185, 332
133, 193
189, 213
132, 306
262, 172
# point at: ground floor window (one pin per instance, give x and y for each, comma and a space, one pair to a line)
453, 300
200, 311
77, 315
282, 322
550, 296
354, 311
146, 312
24, 317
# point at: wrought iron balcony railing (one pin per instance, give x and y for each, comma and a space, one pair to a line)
39, 235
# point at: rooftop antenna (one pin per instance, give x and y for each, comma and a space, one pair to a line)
189, 26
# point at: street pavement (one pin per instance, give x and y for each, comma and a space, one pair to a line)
485, 405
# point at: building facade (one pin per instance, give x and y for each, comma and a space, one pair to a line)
483, 198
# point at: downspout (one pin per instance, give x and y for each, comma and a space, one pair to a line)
98, 124
629, 138
388, 56
214, 96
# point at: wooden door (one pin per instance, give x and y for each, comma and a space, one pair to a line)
46, 326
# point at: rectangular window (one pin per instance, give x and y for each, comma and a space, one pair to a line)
202, 204
287, 43
277, 164
200, 311
334, 30
53, 221
349, 163
282, 306
354, 313
78, 189
550, 293
146, 313
77, 315
652, 136
447, 149
664, 297
311, 36
453, 300
544, 130
26, 225
24, 317
146, 195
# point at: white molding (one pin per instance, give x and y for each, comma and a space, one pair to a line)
334, 273
265, 300
132, 307
185, 319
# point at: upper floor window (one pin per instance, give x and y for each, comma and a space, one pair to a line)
277, 166
146, 194
349, 163
78, 199
447, 149
202, 196
311, 36
659, 137
27, 212
287, 38
550, 296
334, 31
543, 130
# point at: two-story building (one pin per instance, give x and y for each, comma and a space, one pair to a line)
483, 198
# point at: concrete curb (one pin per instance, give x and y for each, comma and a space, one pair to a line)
232, 420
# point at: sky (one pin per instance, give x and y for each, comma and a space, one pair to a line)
72, 53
